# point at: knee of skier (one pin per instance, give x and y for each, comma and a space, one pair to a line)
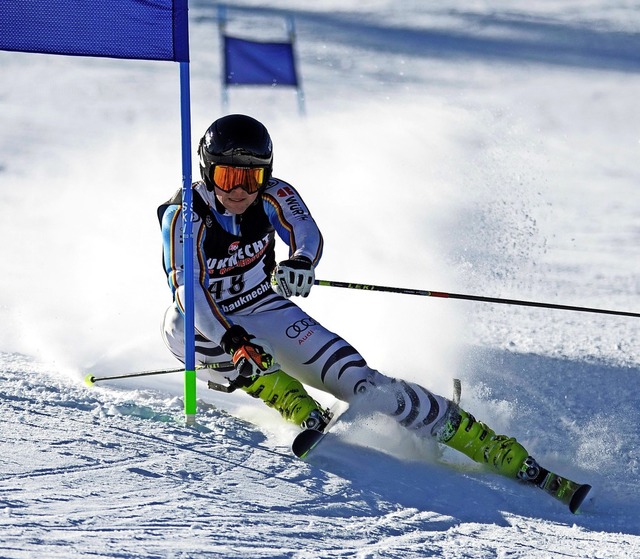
374, 392
172, 332
411, 405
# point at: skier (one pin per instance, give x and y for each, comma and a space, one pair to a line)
244, 317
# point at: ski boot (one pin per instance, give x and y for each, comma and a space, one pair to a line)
506, 456
474, 439
287, 395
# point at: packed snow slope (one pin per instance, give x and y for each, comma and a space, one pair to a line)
470, 147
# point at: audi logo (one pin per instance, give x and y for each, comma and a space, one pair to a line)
300, 326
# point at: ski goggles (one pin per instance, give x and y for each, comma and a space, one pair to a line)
251, 179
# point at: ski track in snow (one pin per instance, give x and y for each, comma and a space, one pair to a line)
523, 124
104, 473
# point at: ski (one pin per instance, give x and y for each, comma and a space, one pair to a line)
561, 488
306, 441
566, 491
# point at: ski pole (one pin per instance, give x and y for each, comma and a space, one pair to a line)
91, 380
424, 293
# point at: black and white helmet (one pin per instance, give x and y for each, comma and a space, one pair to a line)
238, 141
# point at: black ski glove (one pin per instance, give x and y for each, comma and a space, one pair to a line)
251, 357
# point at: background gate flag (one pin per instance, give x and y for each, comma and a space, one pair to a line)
137, 29
249, 61
134, 29
257, 63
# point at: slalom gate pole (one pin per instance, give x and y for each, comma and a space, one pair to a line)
441, 294
190, 405
91, 380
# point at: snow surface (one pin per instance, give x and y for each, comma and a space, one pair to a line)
476, 147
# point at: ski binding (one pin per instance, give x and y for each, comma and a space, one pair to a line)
563, 489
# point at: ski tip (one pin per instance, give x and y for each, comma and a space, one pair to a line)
89, 380
578, 498
306, 441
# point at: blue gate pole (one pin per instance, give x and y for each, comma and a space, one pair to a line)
188, 248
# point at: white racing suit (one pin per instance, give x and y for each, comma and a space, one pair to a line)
233, 261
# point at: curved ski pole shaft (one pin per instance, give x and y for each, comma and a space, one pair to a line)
443, 295
90, 379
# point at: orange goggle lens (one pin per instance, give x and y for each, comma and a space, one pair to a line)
227, 178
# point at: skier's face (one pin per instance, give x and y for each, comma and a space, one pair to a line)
237, 201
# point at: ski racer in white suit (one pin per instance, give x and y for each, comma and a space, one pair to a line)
271, 345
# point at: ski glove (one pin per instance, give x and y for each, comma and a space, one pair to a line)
251, 357
293, 277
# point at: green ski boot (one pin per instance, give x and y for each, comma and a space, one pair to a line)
506, 456
287, 395
474, 439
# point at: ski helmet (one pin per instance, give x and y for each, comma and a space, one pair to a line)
236, 141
